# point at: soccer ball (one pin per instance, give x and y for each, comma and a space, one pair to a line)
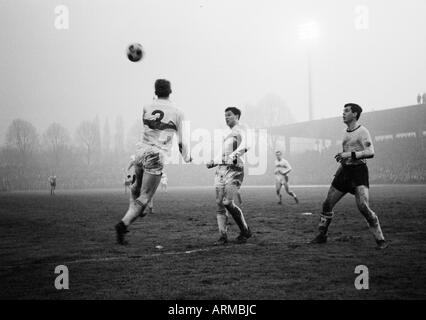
135, 52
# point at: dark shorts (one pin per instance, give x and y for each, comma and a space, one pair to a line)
349, 177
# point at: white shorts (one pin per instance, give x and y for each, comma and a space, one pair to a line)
281, 178
228, 175
151, 160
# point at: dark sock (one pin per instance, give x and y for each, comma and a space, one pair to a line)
238, 216
121, 226
325, 220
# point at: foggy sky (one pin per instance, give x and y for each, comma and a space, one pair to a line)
216, 54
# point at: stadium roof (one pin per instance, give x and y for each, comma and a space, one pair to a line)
383, 122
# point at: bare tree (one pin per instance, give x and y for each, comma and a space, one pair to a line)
56, 138
270, 111
86, 135
106, 138
22, 135
98, 144
133, 136
119, 136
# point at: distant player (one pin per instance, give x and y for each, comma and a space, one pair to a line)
352, 176
5, 184
229, 176
282, 169
52, 183
161, 120
164, 181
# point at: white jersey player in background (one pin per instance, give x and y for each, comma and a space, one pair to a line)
229, 177
52, 183
282, 169
161, 121
164, 181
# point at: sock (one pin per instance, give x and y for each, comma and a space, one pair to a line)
136, 209
238, 216
374, 226
325, 220
121, 226
222, 221
141, 208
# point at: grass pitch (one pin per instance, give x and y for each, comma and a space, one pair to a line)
171, 255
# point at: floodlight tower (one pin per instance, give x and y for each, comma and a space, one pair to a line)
308, 32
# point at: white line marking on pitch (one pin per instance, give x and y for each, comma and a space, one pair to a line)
129, 257
171, 253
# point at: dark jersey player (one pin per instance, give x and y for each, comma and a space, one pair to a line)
352, 176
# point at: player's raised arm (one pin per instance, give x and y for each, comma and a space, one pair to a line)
183, 144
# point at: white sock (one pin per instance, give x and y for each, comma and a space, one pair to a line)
222, 221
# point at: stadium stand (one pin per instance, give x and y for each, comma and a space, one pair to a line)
399, 144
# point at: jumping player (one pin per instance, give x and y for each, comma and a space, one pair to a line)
161, 120
352, 176
282, 169
229, 176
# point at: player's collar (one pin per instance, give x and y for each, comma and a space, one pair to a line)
162, 100
359, 126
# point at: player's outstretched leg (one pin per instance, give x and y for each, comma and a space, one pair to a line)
291, 193
222, 218
326, 216
362, 201
237, 214
137, 205
131, 214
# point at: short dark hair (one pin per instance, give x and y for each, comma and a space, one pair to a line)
355, 108
235, 111
162, 88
